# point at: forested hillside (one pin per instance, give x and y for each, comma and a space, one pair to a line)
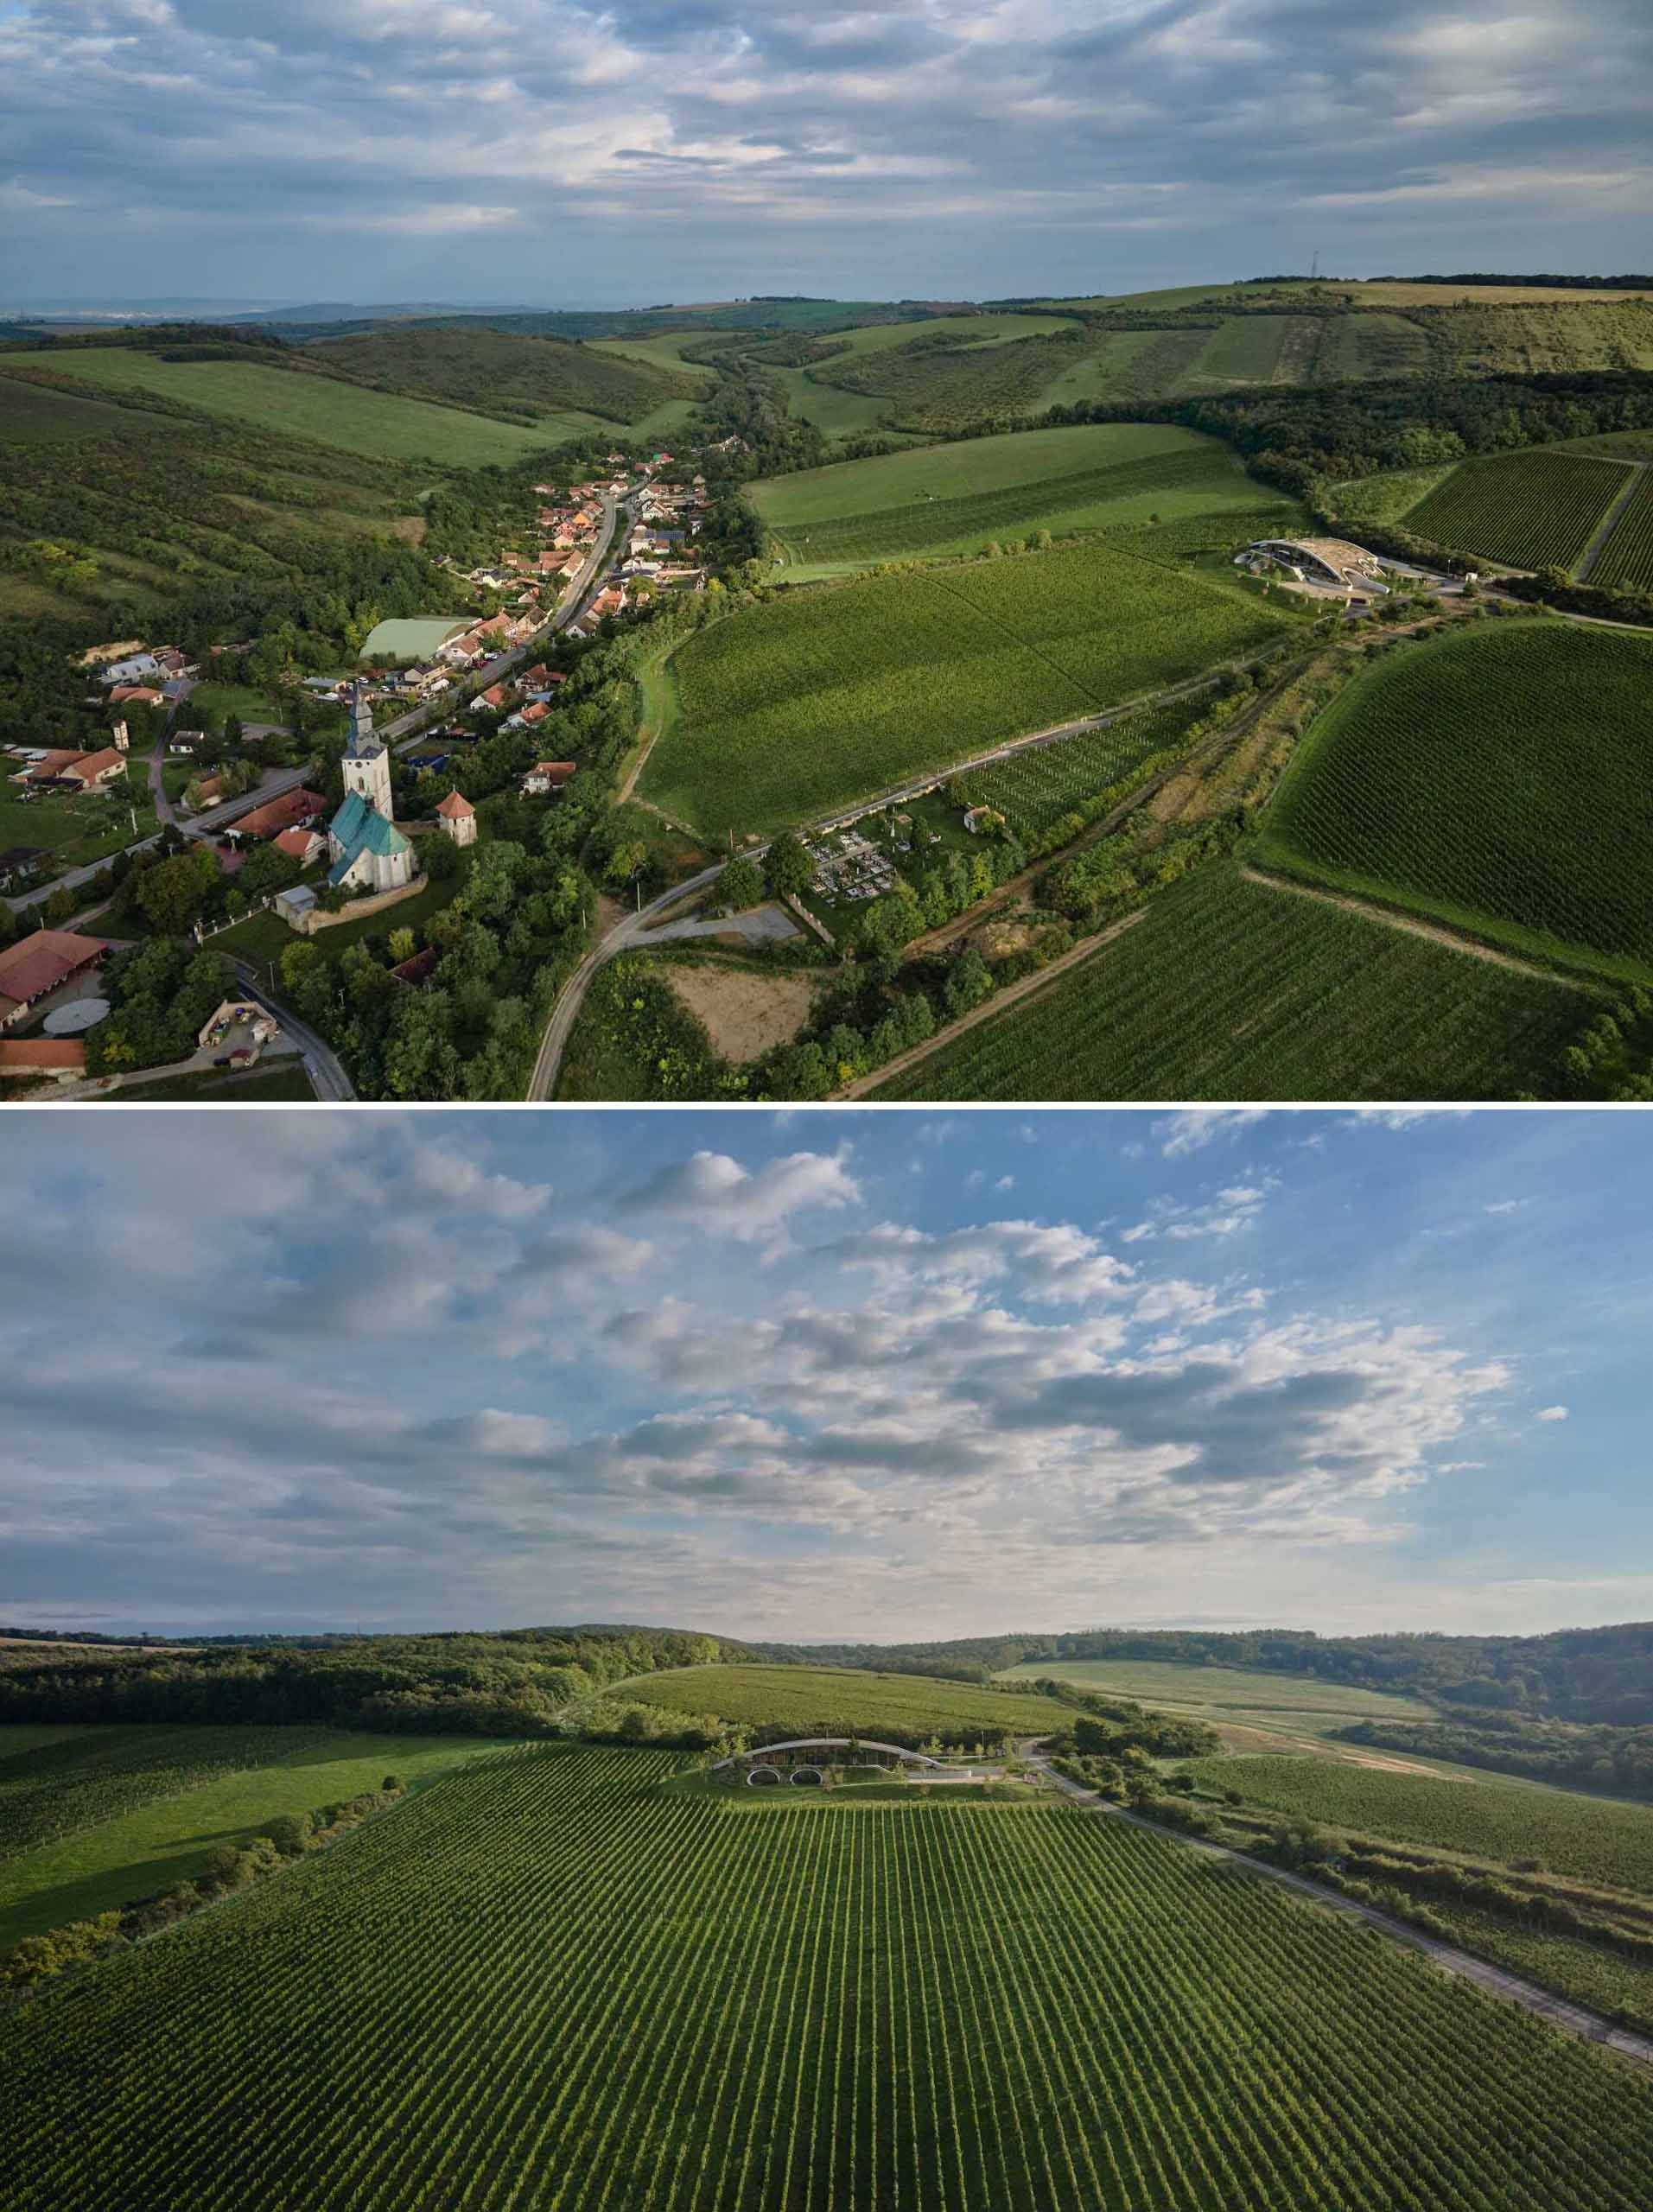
504, 1685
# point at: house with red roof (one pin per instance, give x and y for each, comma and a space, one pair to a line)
292, 811
547, 776
40, 962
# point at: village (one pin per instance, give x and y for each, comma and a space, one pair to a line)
183, 758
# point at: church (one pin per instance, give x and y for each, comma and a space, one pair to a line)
368, 852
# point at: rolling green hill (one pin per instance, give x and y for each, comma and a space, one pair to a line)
958, 498
840, 1701
527, 381
303, 404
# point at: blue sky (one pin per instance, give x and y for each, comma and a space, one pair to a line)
643, 151
826, 1373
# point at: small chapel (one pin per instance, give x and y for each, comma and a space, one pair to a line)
368, 852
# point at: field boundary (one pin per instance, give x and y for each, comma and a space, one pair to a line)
1410, 925
1609, 522
1576, 2020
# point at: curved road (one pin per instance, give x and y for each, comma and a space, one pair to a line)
322, 1064
633, 929
1571, 2019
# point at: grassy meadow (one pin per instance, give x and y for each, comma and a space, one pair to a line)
842, 1701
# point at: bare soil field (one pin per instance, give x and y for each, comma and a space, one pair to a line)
744, 1014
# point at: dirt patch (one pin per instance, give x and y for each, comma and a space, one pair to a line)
997, 940
410, 529
1402, 1766
744, 1014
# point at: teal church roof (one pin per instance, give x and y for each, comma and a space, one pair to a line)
360, 827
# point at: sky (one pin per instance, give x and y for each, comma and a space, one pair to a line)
558, 153
824, 1375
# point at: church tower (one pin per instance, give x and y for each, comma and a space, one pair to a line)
367, 761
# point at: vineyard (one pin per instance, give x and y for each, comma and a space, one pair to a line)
1230, 990
1115, 475
832, 695
1593, 1838
842, 1701
1035, 788
1533, 510
1496, 779
98, 1774
1626, 559
542, 1982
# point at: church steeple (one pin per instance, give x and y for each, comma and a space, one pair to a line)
367, 763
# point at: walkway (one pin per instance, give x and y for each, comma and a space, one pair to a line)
1571, 2019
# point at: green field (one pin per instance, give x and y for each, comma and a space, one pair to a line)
1240, 1699
1495, 779
962, 331
1582, 1971
207, 1786
830, 695
665, 351
1229, 989
844, 1701
34, 415
1594, 1839
1355, 347
1626, 559
1536, 509
959, 498
332, 413
544, 1982
1036, 788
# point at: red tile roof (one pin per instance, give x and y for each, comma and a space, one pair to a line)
44, 958
295, 843
454, 805
25, 1054
278, 814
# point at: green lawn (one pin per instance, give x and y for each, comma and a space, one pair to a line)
167, 1841
835, 413
36, 414
832, 695
333, 413
76, 831
263, 938
208, 703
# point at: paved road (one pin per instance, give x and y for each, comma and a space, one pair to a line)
326, 1069
1571, 2019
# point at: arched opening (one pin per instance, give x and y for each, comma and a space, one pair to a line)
808, 1778
763, 1778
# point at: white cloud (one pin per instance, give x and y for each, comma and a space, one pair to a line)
712, 1190
1199, 1126
1553, 1413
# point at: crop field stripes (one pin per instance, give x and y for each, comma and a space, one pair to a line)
1623, 554
1535, 508
545, 1981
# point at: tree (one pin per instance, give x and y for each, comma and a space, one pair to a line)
788, 871
627, 861
290, 1834
60, 906
174, 895
740, 886
401, 946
